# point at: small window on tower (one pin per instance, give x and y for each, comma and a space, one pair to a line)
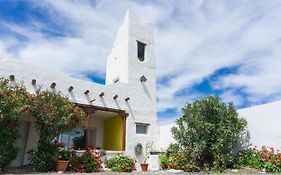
141, 50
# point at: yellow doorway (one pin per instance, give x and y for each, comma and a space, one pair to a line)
113, 133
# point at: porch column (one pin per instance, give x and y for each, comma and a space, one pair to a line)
124, 119
86, 126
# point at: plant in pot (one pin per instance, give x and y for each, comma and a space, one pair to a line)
64, 156
144, 165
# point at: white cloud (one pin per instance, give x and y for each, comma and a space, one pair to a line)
193, 39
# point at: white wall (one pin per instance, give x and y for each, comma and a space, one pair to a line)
98, 124
264, 123
166, 137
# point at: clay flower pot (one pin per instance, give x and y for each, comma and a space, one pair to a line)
170, 166
62, 165
144, 166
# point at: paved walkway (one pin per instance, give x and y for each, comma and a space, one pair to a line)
28, 170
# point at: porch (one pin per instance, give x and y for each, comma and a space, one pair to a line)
104, 129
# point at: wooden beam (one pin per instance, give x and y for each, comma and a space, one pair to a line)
94, 108
53, 85
115, 97
101, 94
86, 92
70, 88
33, 82
12, 77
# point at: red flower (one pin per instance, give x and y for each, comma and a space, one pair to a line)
76, 116
25, 108
266, 159
66, 124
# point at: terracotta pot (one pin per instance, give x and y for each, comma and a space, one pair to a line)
170, 166
144, 166
62, 165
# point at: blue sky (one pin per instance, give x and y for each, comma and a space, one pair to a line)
226, 48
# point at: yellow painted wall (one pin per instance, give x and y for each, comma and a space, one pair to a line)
112, 134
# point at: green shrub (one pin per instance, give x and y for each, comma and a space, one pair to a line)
209, 129
266, 159
13, 102
44, 157
172, 150
164, 160
120, 164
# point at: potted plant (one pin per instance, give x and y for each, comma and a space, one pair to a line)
63, 159
144, 165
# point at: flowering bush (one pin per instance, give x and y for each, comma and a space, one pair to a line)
89, 162
13, 102
177, 158
54, 114
66, 154
266, 159
120, 164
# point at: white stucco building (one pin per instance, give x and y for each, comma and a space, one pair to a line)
122, 112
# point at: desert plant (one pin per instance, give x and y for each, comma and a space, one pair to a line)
209, 129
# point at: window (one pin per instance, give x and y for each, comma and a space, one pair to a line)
74, 138
141, 50
141, 128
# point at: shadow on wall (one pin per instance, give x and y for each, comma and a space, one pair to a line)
146, 90
243, 141
72, 96
117, 104
103, 101
88, 98
130, 110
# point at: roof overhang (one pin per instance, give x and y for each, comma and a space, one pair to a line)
93, 108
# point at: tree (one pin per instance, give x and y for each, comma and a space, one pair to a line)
209, 129
54, 114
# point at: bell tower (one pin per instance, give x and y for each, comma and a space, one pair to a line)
132, 58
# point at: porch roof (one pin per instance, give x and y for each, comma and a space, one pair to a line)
93, 108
